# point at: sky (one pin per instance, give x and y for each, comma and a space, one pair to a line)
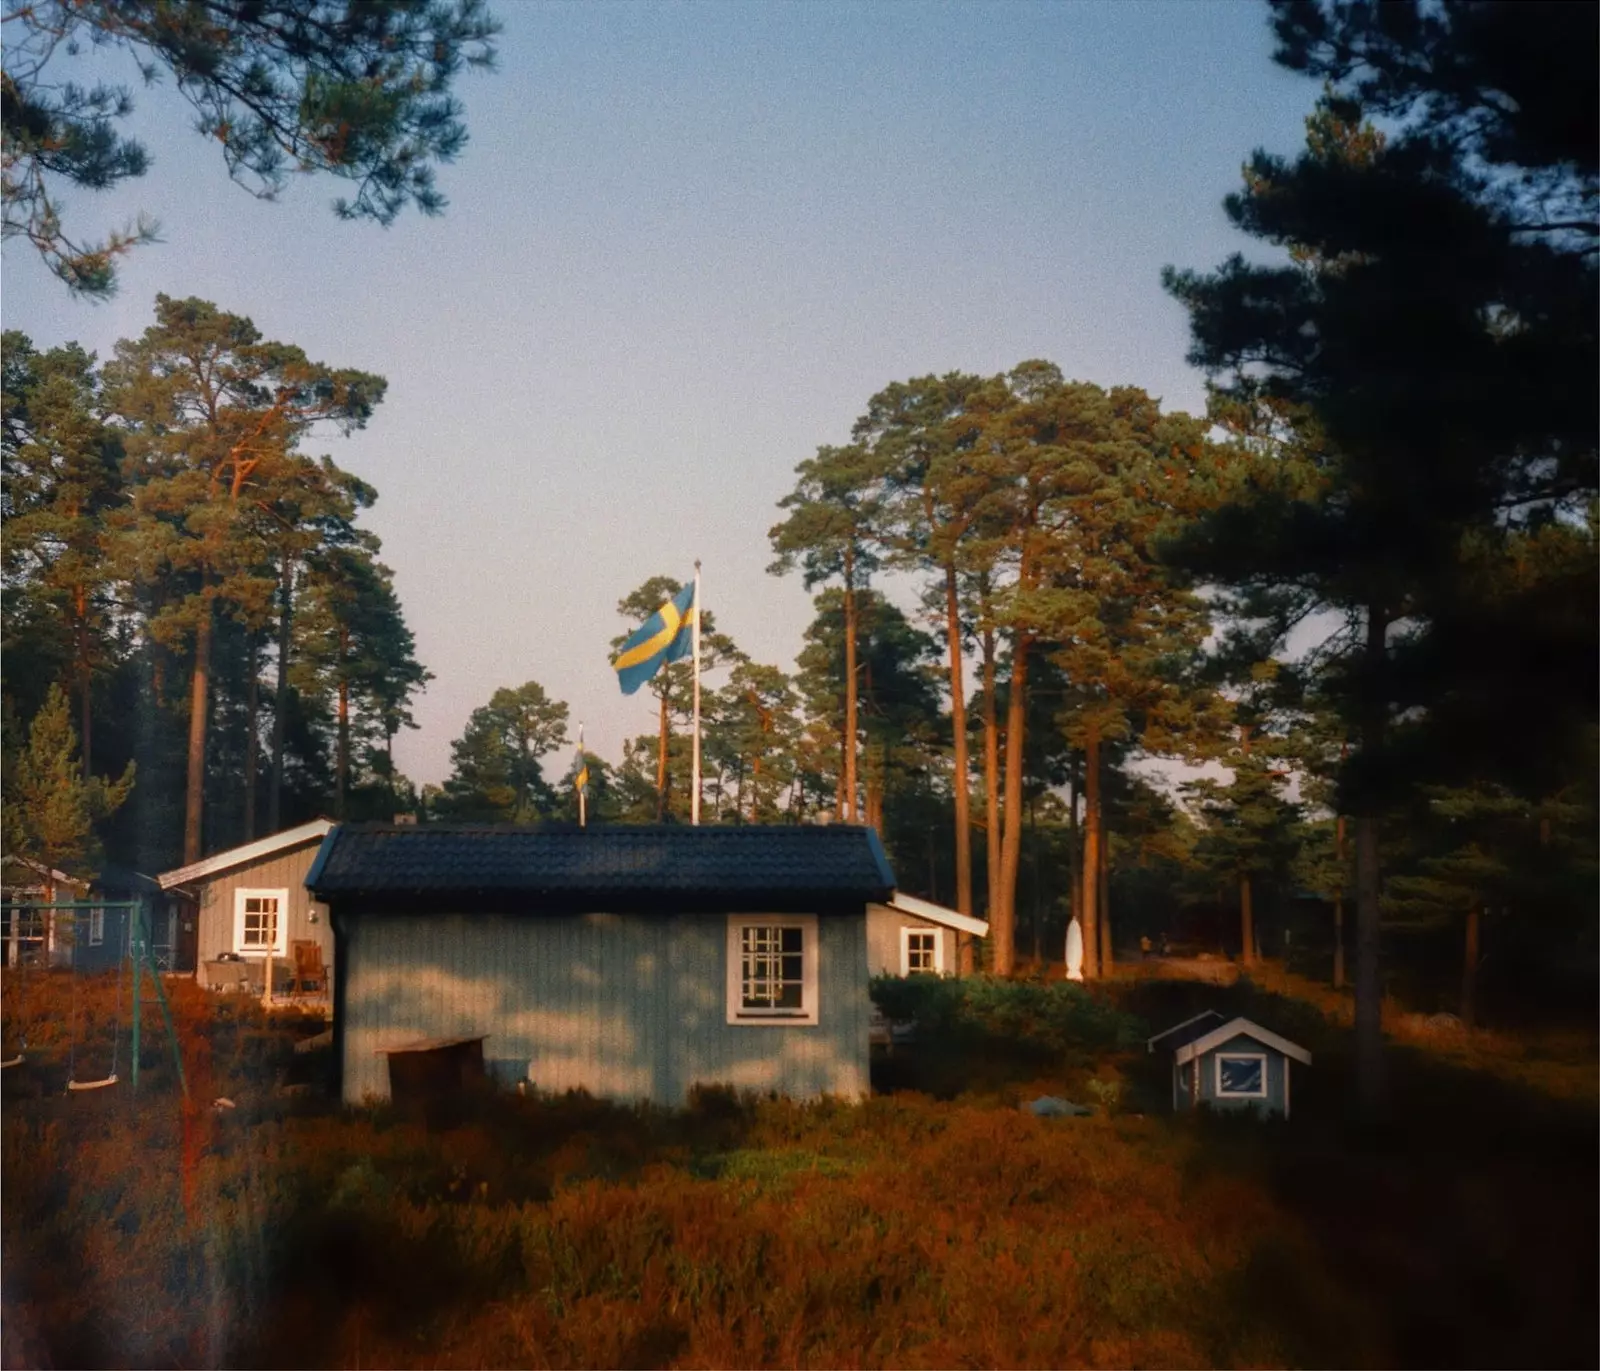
685, 244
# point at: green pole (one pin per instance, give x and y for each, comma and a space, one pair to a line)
166, 1009
133, 948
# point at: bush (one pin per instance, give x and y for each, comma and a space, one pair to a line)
1042, 1016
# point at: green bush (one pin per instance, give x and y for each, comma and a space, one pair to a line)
1046, 1016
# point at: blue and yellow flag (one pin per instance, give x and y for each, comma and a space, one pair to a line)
666, 636
580, 770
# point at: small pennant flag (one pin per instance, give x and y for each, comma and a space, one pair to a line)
666, 636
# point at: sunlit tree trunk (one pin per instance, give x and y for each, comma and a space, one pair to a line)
280, 702
1088, 908
661, 763
1107, 954
252, 745
960, 780
991, 776
199, 696
1247, 920
1369, 974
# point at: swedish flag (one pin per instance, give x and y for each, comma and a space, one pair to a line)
580, 770
666, 636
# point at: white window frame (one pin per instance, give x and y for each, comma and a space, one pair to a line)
280, 941
1240, 1057
906, 930
97, 927
783, 1018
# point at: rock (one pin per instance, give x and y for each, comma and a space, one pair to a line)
1053, 1107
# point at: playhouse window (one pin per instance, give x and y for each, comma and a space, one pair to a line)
1241, 1075
259, 922
97, 927
772, 968
921, 950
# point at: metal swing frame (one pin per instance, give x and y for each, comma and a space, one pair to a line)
139, 950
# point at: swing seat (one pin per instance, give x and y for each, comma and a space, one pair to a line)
93, 1085
14, 1061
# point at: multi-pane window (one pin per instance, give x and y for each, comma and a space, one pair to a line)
1241, 1074
772, 973
97, 927
258, 921
919, 952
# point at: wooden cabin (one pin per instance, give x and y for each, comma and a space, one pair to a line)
631, 962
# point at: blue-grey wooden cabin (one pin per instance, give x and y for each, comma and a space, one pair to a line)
631, 962
1230, 1064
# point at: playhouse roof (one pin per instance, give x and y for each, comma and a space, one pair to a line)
615, 867
1236, 1028
1187, 1031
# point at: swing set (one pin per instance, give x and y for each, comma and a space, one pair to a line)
136, 950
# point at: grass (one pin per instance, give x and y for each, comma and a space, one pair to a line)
907, 1231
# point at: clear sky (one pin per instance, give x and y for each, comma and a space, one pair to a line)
685, 244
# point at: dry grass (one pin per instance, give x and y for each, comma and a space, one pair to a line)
908, 1231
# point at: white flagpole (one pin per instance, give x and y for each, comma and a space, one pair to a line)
583, 809
694, 794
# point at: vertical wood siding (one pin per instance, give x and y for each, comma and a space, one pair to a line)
625, 1007
883, 939
1208, 1077
281, 871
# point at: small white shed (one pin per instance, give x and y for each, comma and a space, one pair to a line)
907, 935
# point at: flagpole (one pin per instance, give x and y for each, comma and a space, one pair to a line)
694, 794
583, 808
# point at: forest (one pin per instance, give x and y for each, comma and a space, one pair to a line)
1291, 702
1225, 678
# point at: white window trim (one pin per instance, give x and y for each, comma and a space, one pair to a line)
1241, 1094
906, 930
97, 927
280, 944
807, 1013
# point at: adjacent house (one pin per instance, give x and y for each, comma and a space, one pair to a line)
631, 962
249, 904
35, 934
1230, 1064
907, 935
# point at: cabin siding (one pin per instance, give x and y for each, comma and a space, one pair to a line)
1277, 1065
281, 871
629, 1007
883, 939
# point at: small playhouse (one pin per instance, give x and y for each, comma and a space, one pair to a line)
1229, 1064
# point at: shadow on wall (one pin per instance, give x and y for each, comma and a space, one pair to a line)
627, 1008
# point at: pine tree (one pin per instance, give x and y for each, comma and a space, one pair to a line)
51, 808
211, 415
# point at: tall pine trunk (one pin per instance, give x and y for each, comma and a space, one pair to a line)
280, 700
1089, 905
1247, 920
199, 696
991, 777
1369, 972
960, 781
1003, 923
838, 784
1469, 968
80, 635
849, 685
1108, 956
661, 763
1338, 906
342, 784
252, 741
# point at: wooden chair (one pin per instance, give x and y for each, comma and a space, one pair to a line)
309, 973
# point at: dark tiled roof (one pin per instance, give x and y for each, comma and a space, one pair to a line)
615, 867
